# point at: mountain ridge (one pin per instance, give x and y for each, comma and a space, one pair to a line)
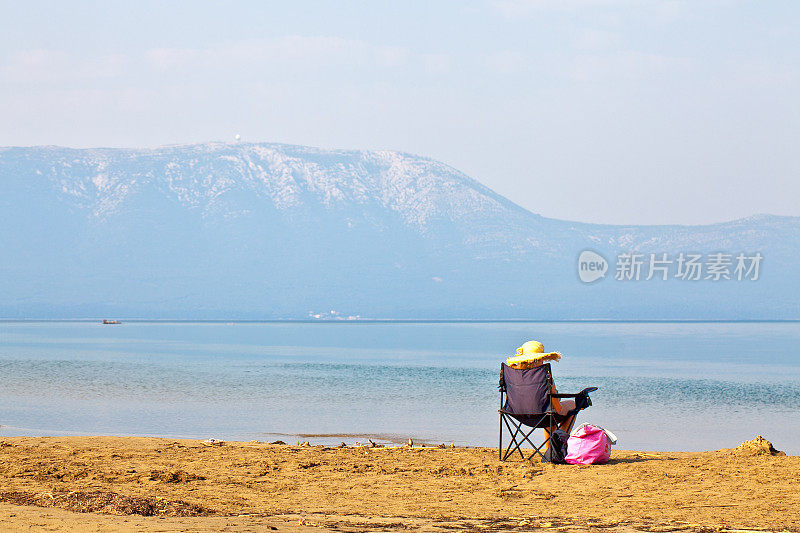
374, 233
486, 189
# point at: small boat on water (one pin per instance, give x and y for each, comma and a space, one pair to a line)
107, 321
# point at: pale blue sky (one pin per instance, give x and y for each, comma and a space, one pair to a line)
617, 111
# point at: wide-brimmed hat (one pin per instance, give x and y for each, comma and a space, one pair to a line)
531, 354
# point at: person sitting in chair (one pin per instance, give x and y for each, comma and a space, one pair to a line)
532, 354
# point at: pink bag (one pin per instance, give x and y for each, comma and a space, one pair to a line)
589, 445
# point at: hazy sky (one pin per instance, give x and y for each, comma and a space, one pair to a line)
617, 111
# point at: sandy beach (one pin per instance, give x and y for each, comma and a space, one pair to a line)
151, 484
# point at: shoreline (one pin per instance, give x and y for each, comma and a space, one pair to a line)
323, 439
233, 321
157, 484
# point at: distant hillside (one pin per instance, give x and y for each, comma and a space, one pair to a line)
275, 231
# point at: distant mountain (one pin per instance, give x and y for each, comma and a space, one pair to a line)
276, 231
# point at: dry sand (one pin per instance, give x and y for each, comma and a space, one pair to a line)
148, 484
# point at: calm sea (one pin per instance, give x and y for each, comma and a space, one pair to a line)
662, 386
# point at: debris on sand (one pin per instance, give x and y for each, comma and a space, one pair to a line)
174, 476
212, 442
105, 502
757, 446
278, 442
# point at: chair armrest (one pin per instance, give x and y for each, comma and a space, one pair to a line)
584, 392
582, 400
525, 414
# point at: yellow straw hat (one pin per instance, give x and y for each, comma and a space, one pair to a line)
531, 354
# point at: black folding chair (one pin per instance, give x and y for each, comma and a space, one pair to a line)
526, 400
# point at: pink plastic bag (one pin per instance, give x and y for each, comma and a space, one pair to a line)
588, 446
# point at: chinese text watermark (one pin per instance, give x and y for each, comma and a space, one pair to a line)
716, 266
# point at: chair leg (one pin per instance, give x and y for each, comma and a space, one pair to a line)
536, 449
514, 442
512, 438
517, 444
500, 444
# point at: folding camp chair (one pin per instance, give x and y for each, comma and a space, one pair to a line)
526, 400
